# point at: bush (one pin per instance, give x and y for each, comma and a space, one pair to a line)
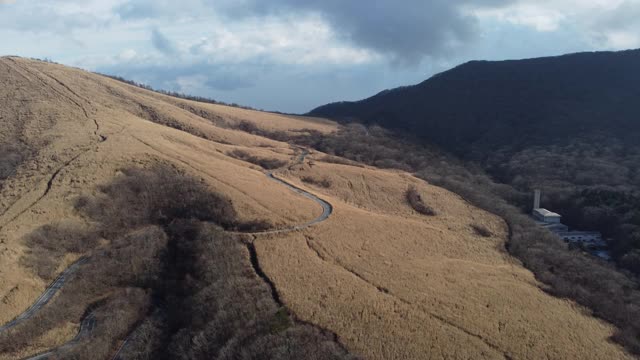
268, 164
324, 182
481, 230
11, 156
415, 200
158, 196
49, 243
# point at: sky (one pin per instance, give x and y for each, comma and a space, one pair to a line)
294, 55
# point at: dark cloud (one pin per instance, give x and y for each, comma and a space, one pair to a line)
407, 30
162, 43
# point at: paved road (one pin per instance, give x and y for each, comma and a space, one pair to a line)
87, 325
48, 294
327, 209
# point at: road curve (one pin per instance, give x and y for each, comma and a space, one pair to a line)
86, 327
327, 208
47, 295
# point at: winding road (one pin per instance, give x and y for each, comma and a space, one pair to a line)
86, 327
327, 208
46, 296
89, 322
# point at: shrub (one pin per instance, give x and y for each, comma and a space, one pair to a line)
266, 163
415, 200
11, 156
49, 243
324, 182
481, 230
157, 196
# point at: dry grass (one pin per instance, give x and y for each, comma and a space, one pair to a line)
421, 283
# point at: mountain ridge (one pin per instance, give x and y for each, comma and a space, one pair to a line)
480, 102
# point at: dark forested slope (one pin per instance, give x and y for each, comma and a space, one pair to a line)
569, 125
482, 105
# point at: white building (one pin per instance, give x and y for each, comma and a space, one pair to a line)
546, 216
553, 222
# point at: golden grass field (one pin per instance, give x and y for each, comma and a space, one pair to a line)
392, 284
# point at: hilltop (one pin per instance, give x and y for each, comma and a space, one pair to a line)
201, 231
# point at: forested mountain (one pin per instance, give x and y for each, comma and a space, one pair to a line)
568, 124
480, 105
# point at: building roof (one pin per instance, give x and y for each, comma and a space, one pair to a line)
547, 213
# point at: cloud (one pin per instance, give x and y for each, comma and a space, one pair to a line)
524, 14
607, 24
162, 43
7, 2
303, 40
406, 31
61, 17
619, 28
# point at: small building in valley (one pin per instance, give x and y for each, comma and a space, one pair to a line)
546, 216
590, 240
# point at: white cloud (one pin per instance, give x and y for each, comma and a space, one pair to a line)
285, 41
541, 19
128, 55
618, 39
607, 24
